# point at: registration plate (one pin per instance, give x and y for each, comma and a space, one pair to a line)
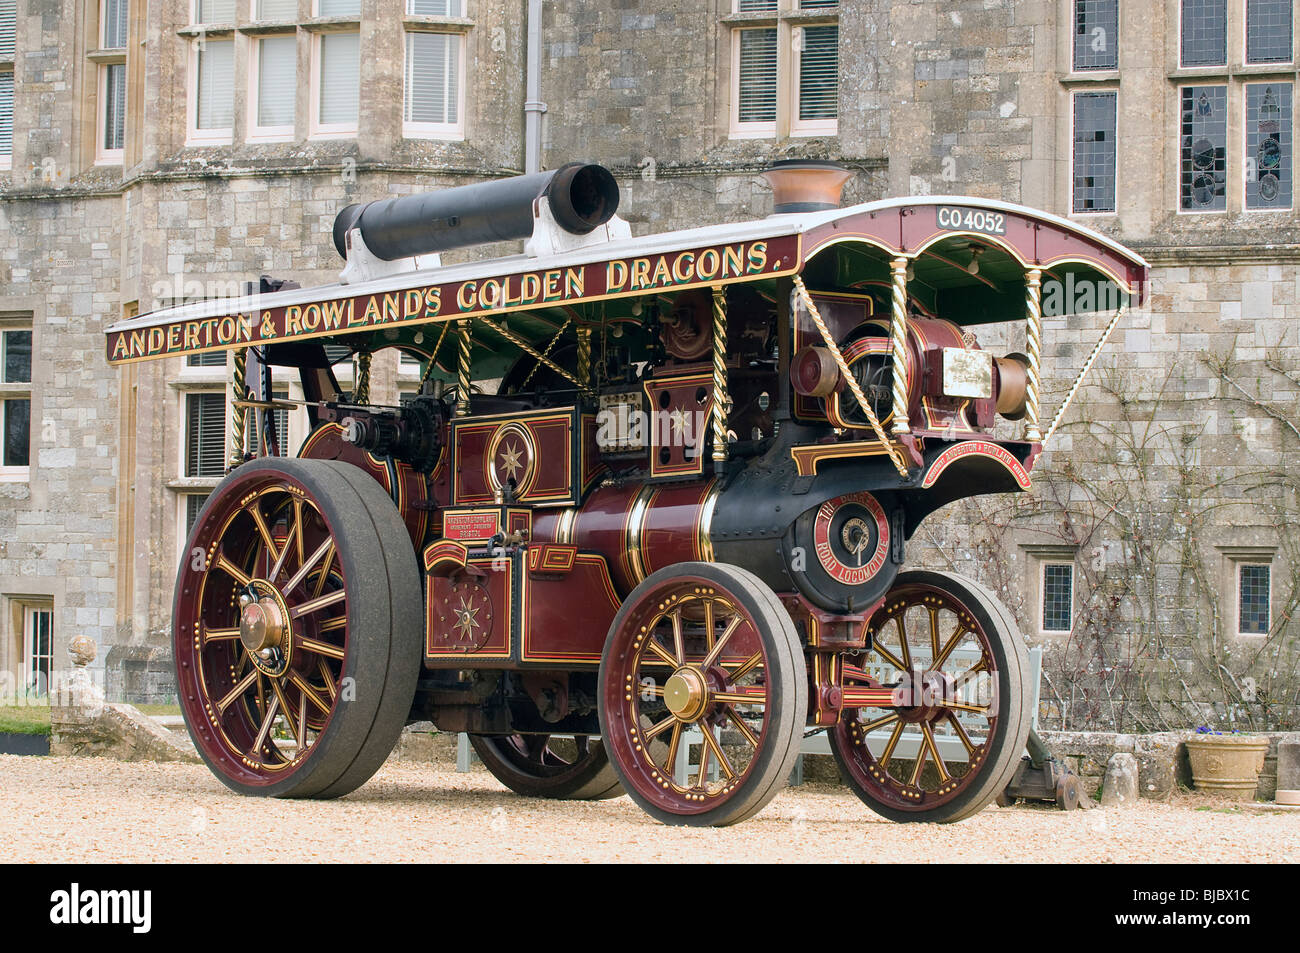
971, 220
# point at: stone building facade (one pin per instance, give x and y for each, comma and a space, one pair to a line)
178, 149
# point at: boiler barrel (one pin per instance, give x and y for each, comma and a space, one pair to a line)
581, 197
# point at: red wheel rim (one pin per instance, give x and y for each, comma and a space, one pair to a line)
689, 659
261, 629
935, 744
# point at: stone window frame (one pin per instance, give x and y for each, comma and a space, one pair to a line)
1247, 158
1038, 557
1235, 74
198, 36
29, 608
185, 380
256, 132
1074, 97
184, 463
1072, 14
786, 18
34, 593
8, 64
319, 27
183, 518
1227, 31
1245, 42
17, 390
1182, 91
104, 57
1233, 559
283, 416
458, 26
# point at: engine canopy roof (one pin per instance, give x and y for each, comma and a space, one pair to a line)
967, 257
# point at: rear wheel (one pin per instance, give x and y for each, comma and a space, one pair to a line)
565, 768
297, 628
702, 657
952, 743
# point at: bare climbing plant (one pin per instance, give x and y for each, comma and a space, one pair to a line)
1154, 645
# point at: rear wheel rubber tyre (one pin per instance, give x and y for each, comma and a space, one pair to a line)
531, 765
742, 687
897, 789
325, 551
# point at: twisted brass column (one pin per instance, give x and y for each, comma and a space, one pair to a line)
721, 398
584, 357
1033, 350
361, 386
433, 357
898, 346
463, 370
238, 412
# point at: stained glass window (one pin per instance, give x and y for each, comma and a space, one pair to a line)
1058, 597
1204, 152
1268, 145
1268, 31
1204, 33
1253, 599
1094, 152
1096, 34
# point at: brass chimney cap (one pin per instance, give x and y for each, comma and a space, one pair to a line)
806, 185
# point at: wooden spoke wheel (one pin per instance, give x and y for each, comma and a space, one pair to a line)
957, 663
297, 628
703, 694
574, 769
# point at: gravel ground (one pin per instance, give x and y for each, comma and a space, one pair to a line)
94, 810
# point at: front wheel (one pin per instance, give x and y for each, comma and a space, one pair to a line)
550, 766
703, 694
297, 628
952, 741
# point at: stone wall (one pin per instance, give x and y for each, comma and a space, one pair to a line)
1163, 767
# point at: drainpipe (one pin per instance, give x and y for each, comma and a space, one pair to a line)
533, 106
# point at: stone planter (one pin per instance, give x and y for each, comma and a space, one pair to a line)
1227, 765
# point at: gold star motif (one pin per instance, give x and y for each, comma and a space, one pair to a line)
466, 620
677, 423
512, 460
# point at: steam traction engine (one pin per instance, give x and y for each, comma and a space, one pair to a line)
644, 523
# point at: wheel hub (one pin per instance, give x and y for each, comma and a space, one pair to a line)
922, 696
686, 694
264, 628
260, 625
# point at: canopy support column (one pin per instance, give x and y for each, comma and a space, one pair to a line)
584, 358
463, 370
1033, 350
238, 408
361, 384
898, 346
721, 397
432, 367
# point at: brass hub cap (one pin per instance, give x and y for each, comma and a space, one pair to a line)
259, 626
264, 629
686, 694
